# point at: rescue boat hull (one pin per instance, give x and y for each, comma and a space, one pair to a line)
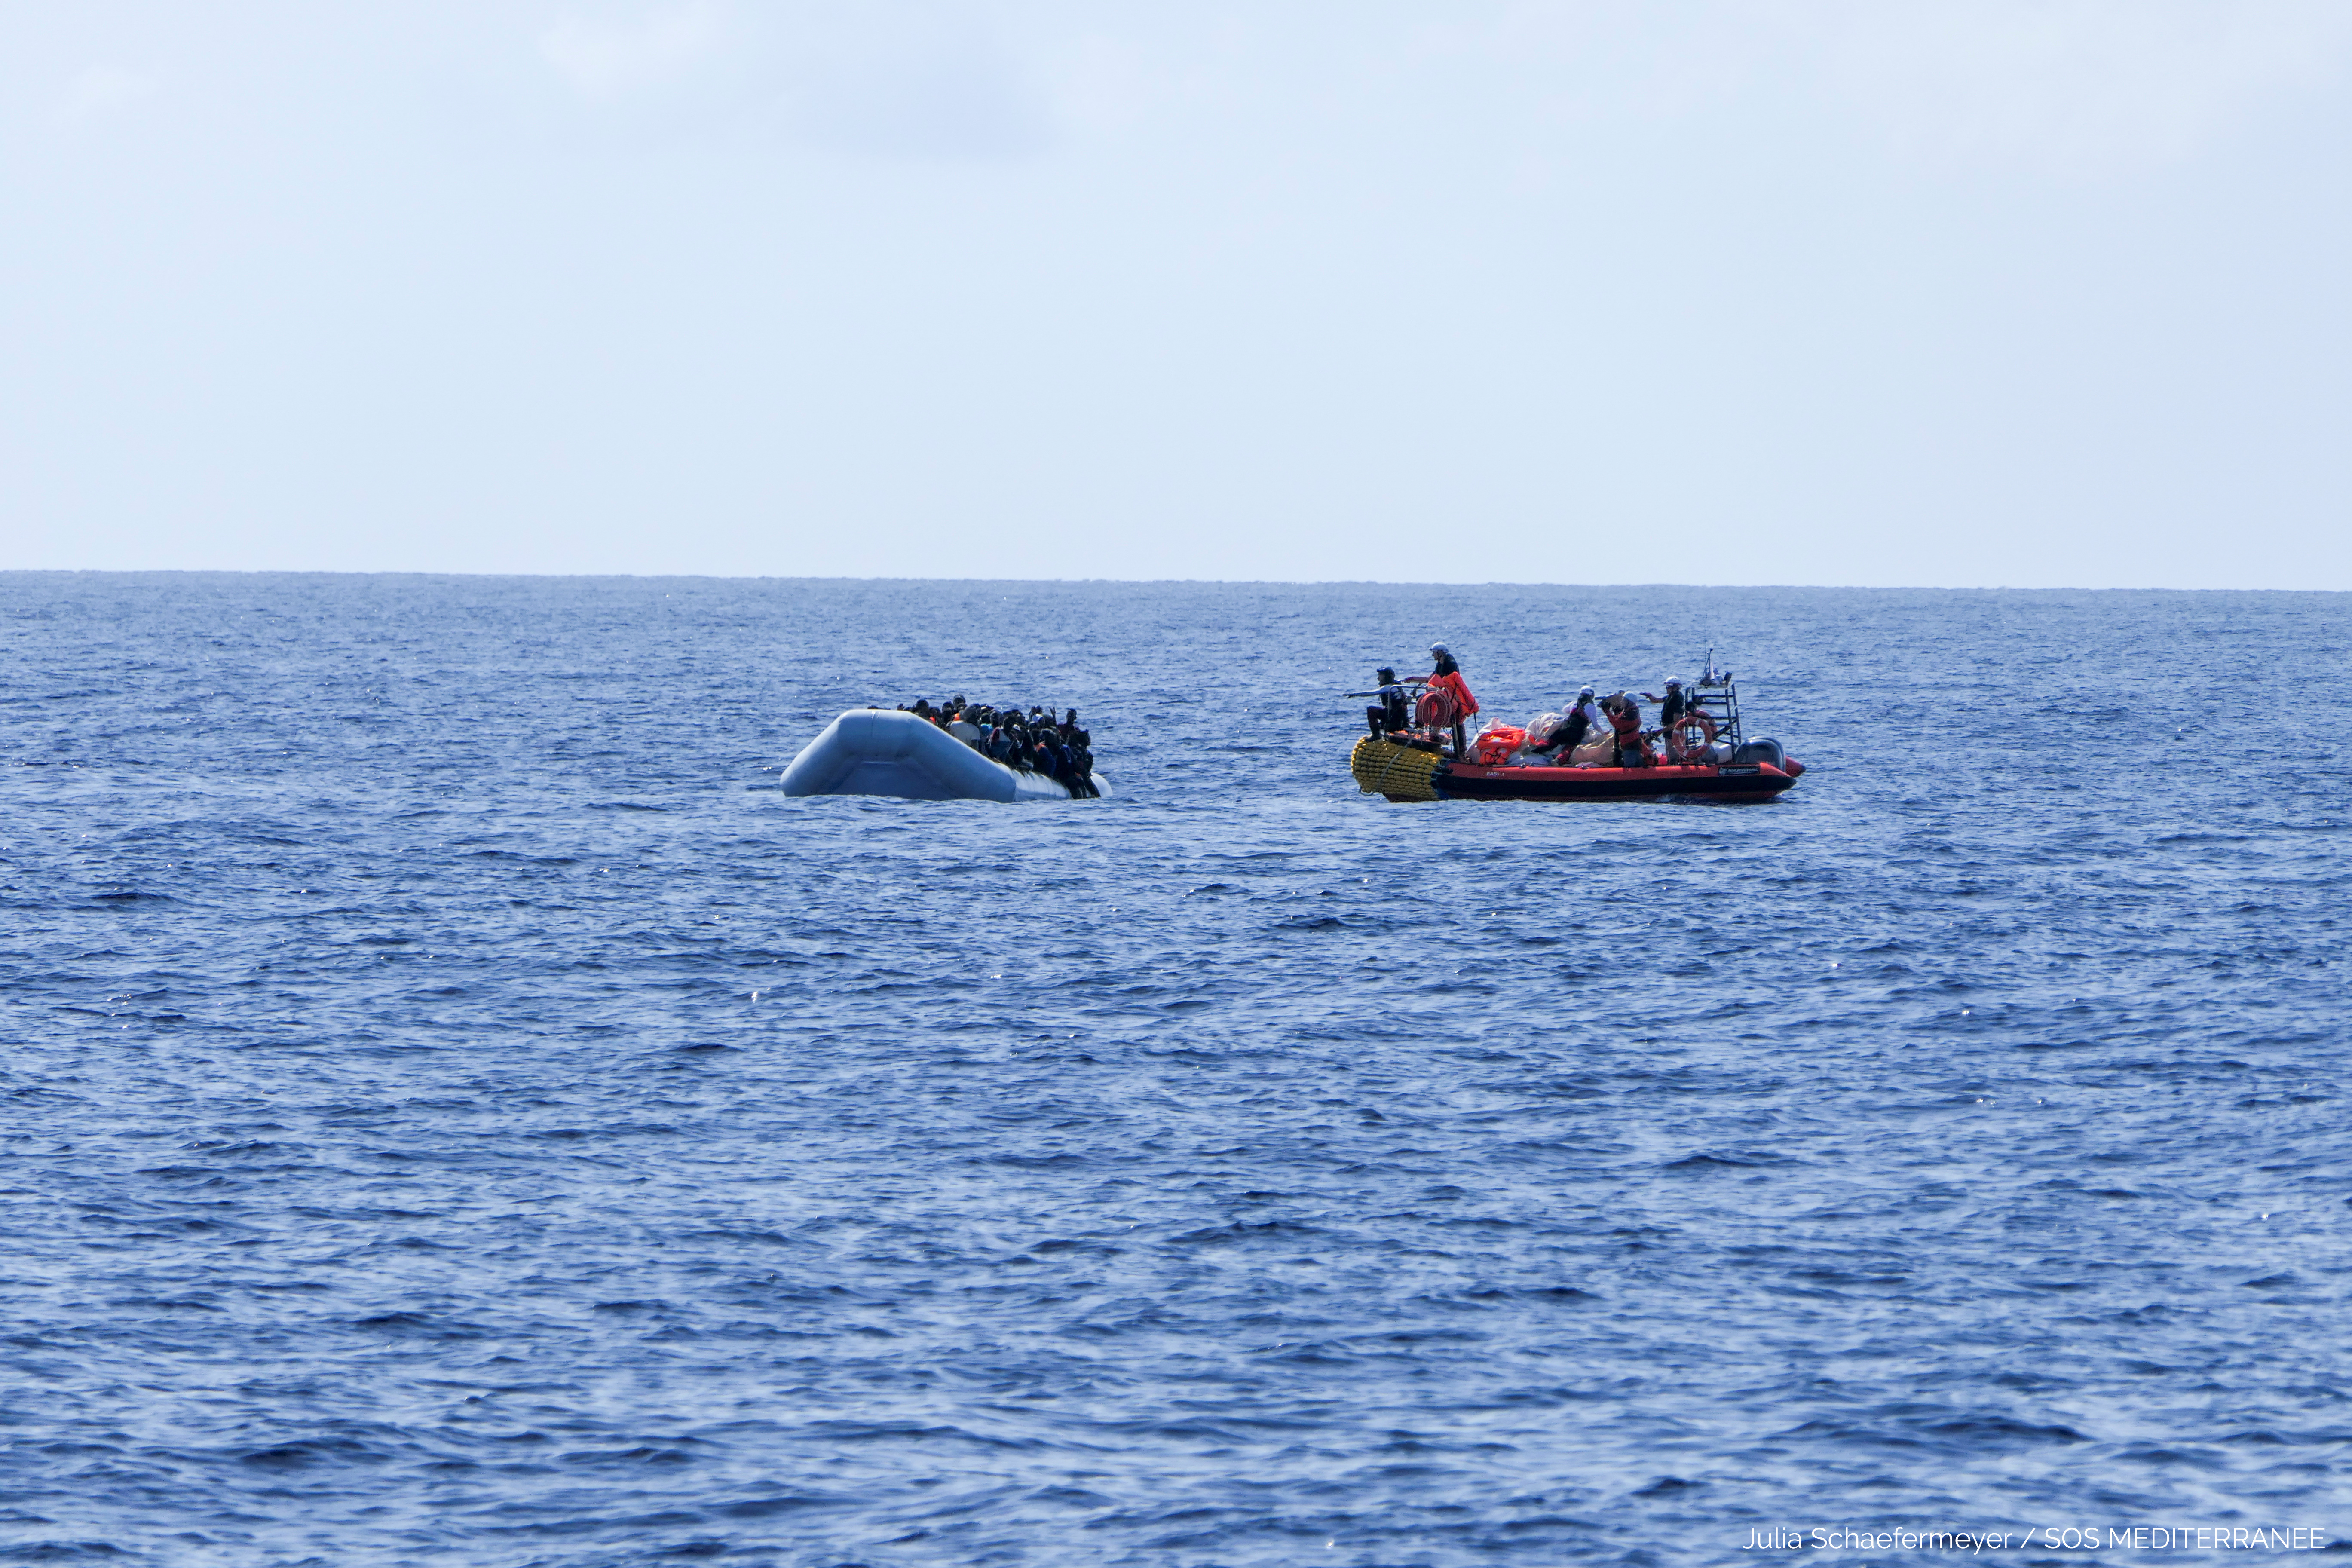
1467, 780
1402, 773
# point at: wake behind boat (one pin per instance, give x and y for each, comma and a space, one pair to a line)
1418, 748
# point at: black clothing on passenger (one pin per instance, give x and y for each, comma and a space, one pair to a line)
1393, 714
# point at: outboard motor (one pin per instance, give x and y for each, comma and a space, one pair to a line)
1766, 750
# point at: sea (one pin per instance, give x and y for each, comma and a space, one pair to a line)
454, 1109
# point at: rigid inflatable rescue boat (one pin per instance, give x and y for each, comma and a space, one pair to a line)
881, 751
1700, 754
1401, 772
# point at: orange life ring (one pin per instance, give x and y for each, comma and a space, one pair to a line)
1453, 686
1696, 718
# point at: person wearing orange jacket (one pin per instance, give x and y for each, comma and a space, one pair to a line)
1626, 719
1447, 678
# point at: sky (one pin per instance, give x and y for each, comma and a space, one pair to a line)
1997, 293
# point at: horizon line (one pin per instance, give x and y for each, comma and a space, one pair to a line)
1134, 582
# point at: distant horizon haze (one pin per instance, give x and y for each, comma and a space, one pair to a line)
2027, 294
1402, 584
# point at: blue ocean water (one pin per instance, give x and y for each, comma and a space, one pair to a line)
457, 1111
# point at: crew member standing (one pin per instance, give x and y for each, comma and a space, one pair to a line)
1447, 678
1677, 702
1626, 719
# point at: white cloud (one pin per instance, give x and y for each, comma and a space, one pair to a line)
606, 59
2078, 84
913, 80
101, 90
2067, 85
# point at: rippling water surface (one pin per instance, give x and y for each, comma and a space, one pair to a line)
458, 1110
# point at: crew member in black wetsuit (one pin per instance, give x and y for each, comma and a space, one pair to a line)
1393, 712
1681, 702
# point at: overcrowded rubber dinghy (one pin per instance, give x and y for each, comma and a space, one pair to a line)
1418, 748
881, 751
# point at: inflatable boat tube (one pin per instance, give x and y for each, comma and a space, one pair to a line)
879, 751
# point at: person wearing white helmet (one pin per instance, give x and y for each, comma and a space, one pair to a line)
1581, 716
1446, 677
1672, 704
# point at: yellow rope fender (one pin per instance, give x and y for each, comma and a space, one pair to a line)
1399, 772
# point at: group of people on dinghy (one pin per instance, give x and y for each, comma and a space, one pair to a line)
1595, 731
1030, 742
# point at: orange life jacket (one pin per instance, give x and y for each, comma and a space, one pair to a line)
1459, 689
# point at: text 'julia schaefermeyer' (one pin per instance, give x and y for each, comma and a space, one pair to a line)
2046, 1538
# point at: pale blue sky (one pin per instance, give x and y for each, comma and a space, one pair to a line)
2047, 293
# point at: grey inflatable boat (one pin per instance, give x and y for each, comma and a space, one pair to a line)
880, 751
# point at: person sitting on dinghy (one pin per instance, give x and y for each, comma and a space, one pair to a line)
1067, 771
1053, 761
1082, 768
1080, 745
1000, 742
